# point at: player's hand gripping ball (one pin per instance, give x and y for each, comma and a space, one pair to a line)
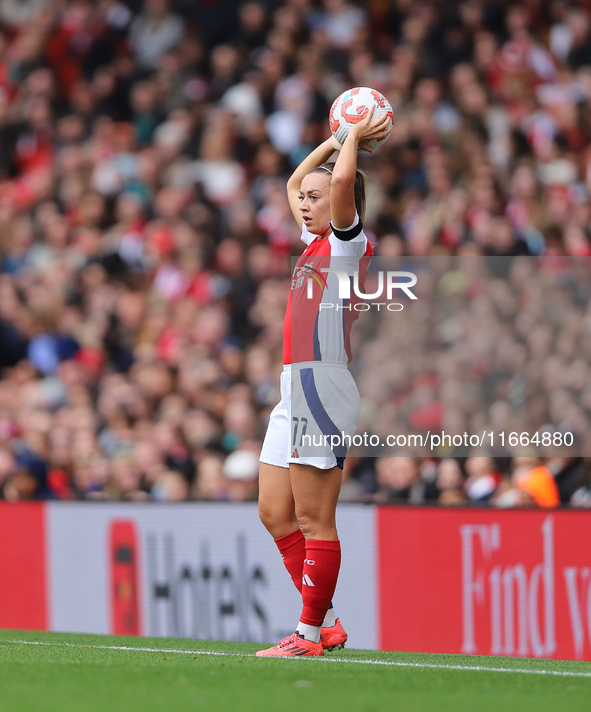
352, 106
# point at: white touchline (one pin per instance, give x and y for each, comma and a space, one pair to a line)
392, 663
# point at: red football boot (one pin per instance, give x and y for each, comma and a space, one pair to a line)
333, 638
292, 646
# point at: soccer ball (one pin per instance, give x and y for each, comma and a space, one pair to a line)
352, 106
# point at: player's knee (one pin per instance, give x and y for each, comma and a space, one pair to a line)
307, 527
308, 524
314, 525
266, 515
276, 522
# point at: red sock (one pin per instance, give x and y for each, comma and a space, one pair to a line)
321, 570
293, 550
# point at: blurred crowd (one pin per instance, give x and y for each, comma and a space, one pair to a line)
488, 346
145, 234
522, 481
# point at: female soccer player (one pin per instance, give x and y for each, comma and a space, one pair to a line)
299, 487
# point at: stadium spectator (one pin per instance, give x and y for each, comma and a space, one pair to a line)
482, 481
155, 31
450, 482
399, 480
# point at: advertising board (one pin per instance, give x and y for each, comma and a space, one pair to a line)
491, 582
195, 570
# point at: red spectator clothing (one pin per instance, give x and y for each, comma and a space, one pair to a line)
428, 417
169, 345
520, 65
58, 483
201, 288
68, 46
34, 150
6, 89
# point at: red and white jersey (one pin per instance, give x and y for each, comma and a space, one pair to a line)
318, 321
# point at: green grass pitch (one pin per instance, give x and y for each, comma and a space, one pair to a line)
63, 672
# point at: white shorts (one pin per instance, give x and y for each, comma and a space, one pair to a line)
316, 418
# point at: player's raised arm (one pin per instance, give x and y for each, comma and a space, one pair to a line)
318, 156
342, 185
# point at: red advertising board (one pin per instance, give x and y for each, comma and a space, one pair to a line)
124, 570
493, 582
23, 590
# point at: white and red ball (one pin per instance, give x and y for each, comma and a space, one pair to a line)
352, 106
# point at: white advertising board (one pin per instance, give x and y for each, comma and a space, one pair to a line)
194, 570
